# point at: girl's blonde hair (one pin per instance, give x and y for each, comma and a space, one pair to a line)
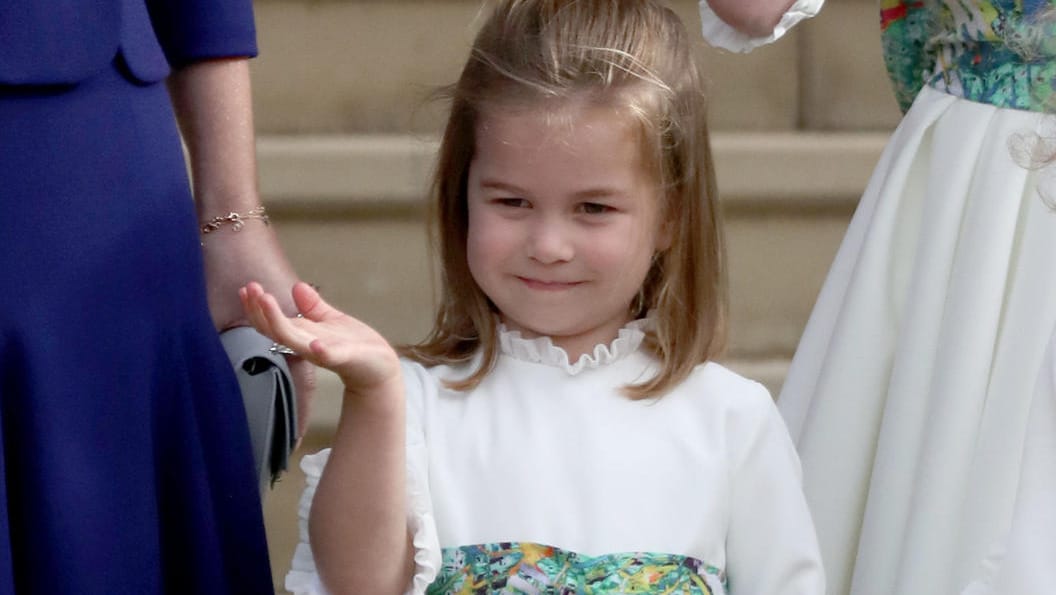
634, 55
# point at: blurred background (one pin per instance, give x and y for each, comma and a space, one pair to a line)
347, 133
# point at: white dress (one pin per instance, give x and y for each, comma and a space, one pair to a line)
909, 393
546, 479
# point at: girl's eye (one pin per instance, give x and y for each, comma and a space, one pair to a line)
594, 208
516, 203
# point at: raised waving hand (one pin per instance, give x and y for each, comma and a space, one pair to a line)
324, 336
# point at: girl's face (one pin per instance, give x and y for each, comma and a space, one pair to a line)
564, 220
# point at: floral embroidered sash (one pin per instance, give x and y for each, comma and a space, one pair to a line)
530, 569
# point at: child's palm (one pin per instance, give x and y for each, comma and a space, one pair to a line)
325, 336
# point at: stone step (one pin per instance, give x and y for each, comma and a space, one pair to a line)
385, 169
368, 66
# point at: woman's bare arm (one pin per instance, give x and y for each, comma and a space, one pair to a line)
213, 104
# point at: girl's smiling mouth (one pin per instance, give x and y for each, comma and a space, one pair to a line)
547, 285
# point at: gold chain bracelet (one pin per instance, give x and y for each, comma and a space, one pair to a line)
236, 220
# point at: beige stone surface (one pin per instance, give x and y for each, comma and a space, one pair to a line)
384, 170
789, 170
844, 82
373, 266
777, 263
340, 169
356, 66
753, 91
368, 66
332, 66
756, 91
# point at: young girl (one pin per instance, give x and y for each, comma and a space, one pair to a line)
561, 430
910, 392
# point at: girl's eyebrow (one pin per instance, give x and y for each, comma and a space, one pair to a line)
491, 184
600, 192
585, 194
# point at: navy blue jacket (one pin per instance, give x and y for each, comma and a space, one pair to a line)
47, 42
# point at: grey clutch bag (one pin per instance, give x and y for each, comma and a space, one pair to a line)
268, 395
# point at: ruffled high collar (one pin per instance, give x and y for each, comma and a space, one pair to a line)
542, 350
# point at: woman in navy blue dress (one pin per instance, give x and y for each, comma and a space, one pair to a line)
124, 454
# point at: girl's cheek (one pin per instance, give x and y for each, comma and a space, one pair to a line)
490, 240
488, 231
623, 242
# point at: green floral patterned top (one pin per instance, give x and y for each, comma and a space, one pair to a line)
533, 569
1000, 52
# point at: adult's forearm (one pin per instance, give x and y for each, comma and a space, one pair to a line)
213, 104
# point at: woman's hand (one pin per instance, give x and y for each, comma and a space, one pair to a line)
233, 259
327, 337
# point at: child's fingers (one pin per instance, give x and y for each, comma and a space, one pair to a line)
306, 298
333, 357
249, 307
252, 295
310, 304
322, 353
254, 290
284, 328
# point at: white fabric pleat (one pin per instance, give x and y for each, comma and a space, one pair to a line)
1022, 563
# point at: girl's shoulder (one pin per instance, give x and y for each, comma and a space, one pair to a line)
431, 374
740, 410
425, 383
713, 376
717, 388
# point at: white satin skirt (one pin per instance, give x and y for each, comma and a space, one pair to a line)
909, 394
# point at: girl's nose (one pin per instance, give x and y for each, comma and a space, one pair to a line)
550, 242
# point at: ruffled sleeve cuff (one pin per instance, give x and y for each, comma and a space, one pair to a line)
303, 578
422, 525
719, 34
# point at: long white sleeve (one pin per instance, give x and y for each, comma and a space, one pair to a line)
772, 547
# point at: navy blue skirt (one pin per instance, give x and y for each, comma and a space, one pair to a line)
124, 454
